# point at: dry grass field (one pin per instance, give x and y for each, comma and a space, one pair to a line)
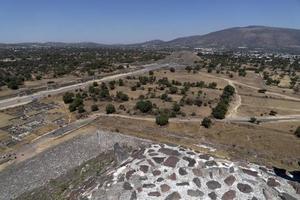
153, 92
269, 144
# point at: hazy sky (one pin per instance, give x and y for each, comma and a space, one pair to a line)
128, 21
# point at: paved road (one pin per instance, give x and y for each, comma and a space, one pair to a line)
16, 101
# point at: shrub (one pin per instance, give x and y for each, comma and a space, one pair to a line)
198, 102
172, 69
121, 82
173, 90
94, 108
262, 91
122, 96
176, 107
162, 119
212, 85
110, 108
297, 132
252, 120
220, 110
104, 92
68, 97
95, 84
273, 113
144, 106
72, 107
206, 122
81, 109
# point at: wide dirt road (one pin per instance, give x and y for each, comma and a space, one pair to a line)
16, 101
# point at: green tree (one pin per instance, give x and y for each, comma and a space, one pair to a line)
68, 97
206, 122
144, 106
162, 119
72, 107
220, 110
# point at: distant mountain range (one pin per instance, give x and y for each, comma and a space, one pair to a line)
262, 37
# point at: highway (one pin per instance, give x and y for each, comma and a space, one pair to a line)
21, 100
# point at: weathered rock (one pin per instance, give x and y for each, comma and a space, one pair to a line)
160, 179
139, 154
295, 185
229, 195
182, 184
195, 193
165, 188
129, 174
173, 196
213, 195
158, 159
150, 162
150, 150
182, 171
140, 189
124, 195
250, 172
153, 154
169, 152
190, 153
133, 196
197, 172
172, 177
245, 188
191, 161
171, 161
144, 168
211, 163
127, 186
272, 182
213, 185
268, 195
136, 181
197, 182
154, 194
285, 196
143, 178
148, 185
230, 180
156, 173
204, 156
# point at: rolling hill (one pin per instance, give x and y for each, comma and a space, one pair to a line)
263, 37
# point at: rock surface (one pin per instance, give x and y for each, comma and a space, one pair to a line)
179, 173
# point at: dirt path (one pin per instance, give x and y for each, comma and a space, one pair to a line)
233, 112
15, 101
234, 104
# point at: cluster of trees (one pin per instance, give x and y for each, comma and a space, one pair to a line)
75, 101
219, 112
37, 63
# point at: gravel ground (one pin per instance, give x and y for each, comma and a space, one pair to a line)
54, 162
